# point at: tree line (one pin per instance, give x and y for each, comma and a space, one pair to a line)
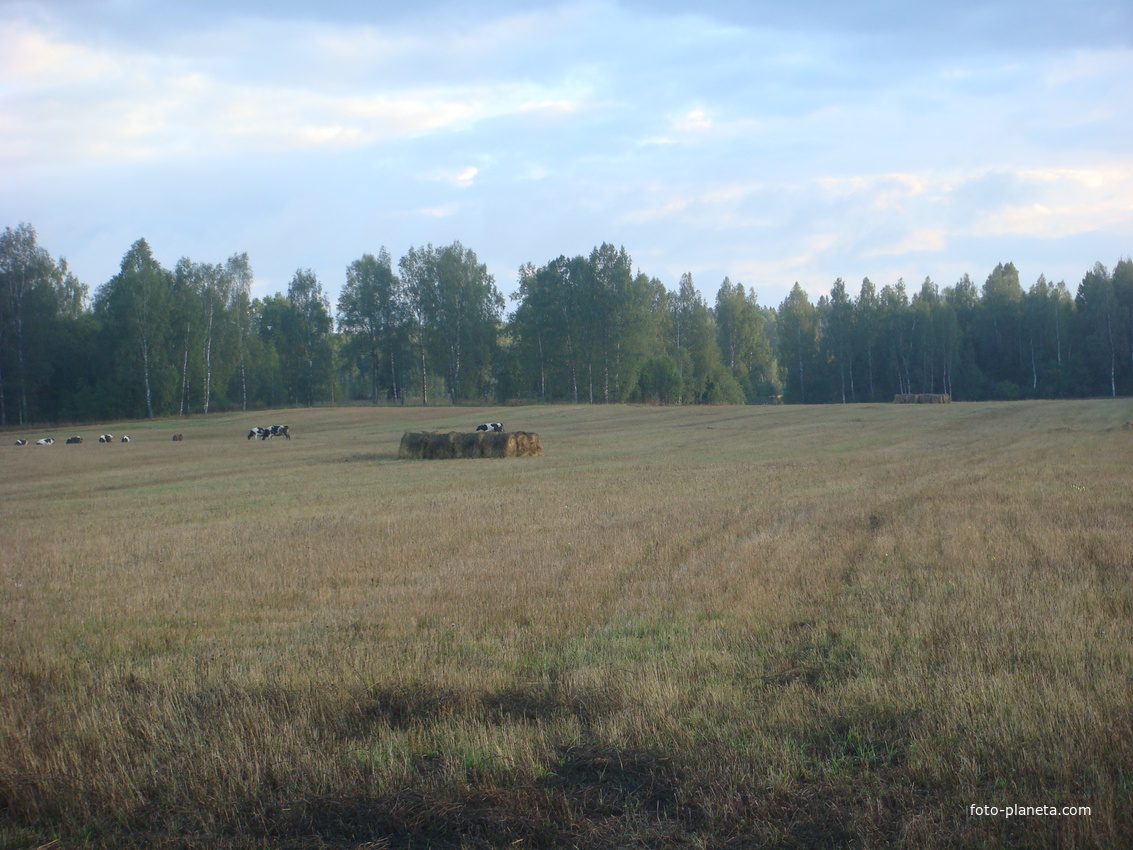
586, 329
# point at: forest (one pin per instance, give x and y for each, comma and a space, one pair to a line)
154, 341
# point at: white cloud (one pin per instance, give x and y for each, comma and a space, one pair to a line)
772, 150
695, 121
1066, 201
465, 177
134, 104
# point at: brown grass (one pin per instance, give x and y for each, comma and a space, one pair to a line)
697, 627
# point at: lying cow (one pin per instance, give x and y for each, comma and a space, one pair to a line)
106, 438
490, 426
177, 438
46, 441
72, 440
125, 438
21, 442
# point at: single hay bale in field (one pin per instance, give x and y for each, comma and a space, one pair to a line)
435, 446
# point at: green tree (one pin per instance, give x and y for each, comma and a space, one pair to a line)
372, 309
619, 319
965, 378
1123, 294
741, 337
684, 305
865, 333
547, 327
1097, 310
841, 338
135, 308
456, 310
239, 271
897, 326
270, 319
930, 341
999, 337
1047, 313
797, 328
693, 347
25, 288
659, 380
308, 358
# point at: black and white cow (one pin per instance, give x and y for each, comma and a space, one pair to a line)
270, 431
46, 441
21, 442
490, 426
125, 438
106, 438
72, 440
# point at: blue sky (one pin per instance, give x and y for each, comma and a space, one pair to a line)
769, 142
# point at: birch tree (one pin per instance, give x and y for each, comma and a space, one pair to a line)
135, 306
372, 308
455, 309
24, 267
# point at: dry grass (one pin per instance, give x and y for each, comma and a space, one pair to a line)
699, 627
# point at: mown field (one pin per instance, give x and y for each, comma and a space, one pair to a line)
726, 627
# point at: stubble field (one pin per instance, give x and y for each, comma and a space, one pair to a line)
837, 626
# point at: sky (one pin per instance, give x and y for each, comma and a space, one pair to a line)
769, 142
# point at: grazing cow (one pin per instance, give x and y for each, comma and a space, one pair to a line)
270, 431
46, 441
177, 438
73, 440
125, 438
106, 438
21, 442
490, 426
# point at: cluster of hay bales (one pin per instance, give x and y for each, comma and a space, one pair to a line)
922, 398
433, 446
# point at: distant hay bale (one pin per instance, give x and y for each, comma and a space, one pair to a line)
922, 398
431, 445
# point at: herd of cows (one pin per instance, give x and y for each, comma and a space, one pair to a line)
261, 433
50, 441
256, 432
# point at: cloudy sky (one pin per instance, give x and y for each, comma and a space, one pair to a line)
771, 142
